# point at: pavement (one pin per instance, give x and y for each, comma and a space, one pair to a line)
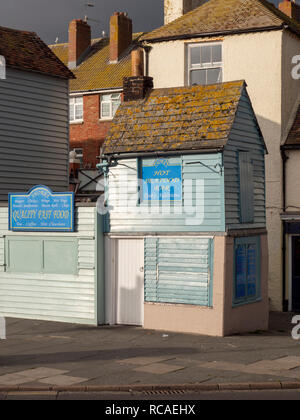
39, 356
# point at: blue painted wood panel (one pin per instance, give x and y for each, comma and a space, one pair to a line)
244, 137
201, 208
178, 270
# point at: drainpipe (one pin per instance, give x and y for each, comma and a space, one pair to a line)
284, 301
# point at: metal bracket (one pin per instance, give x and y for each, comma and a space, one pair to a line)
220, 172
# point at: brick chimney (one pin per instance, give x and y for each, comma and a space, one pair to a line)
120, 35
173, 9
290, 8
136, 87
79, 41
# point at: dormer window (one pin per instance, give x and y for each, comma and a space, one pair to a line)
204, 64
76, 109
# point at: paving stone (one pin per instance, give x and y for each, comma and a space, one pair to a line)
288, 362
144, 360
13, 379
41, 372
234, 367
159, 368
62, 380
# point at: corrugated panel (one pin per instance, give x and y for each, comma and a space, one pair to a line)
178, 270
33, 132
244, 137
201, 209
67, 298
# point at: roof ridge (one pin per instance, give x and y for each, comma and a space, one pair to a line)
228, 18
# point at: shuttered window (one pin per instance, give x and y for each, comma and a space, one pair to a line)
246, 192
178, 270
247, 269
41, 255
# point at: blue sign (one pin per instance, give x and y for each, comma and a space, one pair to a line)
41, 210
161, 181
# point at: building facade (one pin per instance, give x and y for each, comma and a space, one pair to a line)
34, 135
251, 40
186, 240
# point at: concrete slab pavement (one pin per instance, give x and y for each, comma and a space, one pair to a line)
38, 353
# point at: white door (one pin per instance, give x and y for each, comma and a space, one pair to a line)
130, 282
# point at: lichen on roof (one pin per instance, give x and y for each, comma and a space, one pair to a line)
95, 72
183, 118
221, 16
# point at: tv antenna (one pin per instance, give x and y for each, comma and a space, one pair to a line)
86, 18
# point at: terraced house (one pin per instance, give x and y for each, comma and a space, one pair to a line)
221, 41
99, 66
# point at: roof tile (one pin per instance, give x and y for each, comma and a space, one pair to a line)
26, 51
201, 117
219, 16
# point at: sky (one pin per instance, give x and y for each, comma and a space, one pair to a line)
50, 18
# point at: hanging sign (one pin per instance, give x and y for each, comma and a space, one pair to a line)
162, 181
41, 210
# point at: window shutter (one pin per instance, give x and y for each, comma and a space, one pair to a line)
246, 188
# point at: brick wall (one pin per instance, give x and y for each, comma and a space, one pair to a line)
90, 134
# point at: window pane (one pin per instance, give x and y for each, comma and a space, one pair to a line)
105, 109
216, 53
115, 96
195, 55
115, 106
78, 112
198, 77
79, 100
206, 54
214, 76
105, 98
71, 112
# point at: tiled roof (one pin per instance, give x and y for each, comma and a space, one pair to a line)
26, 51
95, 72
184, 118
222, 16
294, 134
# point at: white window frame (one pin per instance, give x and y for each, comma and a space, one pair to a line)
213, 65
111, 115
72, 105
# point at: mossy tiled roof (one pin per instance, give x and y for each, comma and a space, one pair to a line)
26, 51
222, 16
95, 72
184, 118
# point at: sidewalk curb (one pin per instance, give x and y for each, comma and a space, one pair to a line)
148, 388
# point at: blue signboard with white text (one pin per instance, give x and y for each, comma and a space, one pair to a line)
41, 210
162, 181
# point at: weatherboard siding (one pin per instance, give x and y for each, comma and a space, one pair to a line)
123, 183
34, 128
244, 136
178, 270
56, 297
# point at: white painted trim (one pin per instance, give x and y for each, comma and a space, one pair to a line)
95, 92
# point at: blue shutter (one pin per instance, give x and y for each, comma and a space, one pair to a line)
241, 268
246, 188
